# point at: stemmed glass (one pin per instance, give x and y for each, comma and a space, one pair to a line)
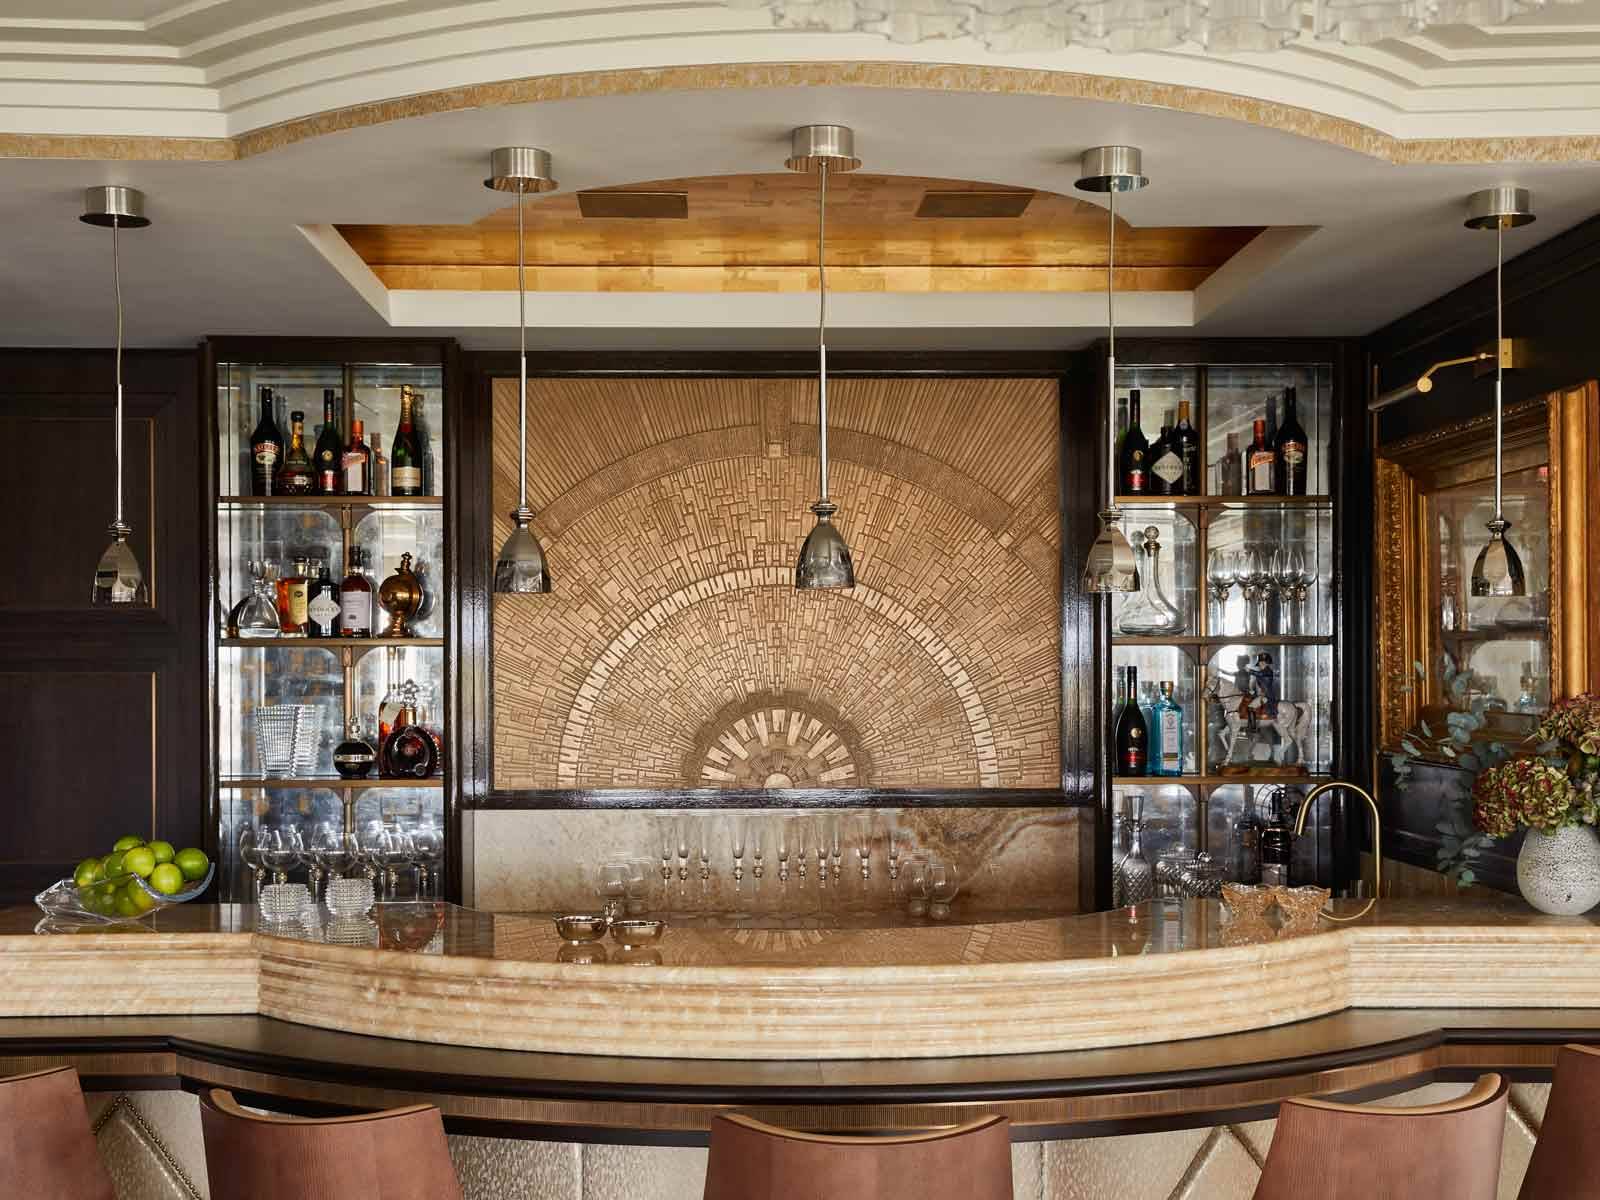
664, 830
1256, 576
281, 850
328, 853
381, 855
835, 849
758, 867
427, 839
943, 884
861, 830
798, 835
784, 830
741, 831
250, 856
1287, 564
1222, 572
1305, 580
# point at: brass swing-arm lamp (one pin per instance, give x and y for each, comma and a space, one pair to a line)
1513, 353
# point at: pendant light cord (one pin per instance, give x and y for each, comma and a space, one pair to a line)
1499, 359
116, 282
522, 357
1111, 355
822, 326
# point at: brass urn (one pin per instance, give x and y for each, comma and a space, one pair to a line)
401, 597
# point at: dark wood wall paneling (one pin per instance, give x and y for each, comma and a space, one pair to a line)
1549, 298
102, 711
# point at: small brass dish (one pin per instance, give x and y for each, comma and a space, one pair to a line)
578, 928
638, 931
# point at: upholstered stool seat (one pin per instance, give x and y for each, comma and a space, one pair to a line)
46, 1146
1563, 1165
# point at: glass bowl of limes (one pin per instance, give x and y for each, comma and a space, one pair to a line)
135, 879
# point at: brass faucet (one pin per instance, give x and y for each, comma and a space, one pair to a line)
1377, 839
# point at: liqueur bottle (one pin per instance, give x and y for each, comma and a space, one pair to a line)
354, 757
356, 598
1166, 467
1290, 448
356, 463
329, 454
266, 448
1133, 466
322, 604
1132, 738
1167, 742
295, 474
1260, 464
1230, 469
405, 465
1188, 442
293, 600
410, 753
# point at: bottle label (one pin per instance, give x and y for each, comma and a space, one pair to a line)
266, 453
297, 602
406, 477
1136, 481
355, 474
1294, 453
328, 481
324, 610
1171, 742
355, 612
1168, 468
1261, 471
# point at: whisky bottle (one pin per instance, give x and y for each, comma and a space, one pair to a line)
356, 462
322, 604
293, 599
266, 448
405, 465
329, 453
295, 474
1260, 464
355, 598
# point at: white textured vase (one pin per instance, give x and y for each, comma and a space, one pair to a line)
1559, 873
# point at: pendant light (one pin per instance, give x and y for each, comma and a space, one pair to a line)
1110, 566
1498, 571
117, 578
824, 558
521, 567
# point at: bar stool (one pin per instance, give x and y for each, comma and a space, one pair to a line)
46, 1145
395, 1155
753, 1161
1562, 1167
1326, 1151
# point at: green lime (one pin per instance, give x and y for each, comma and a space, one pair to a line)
87, 872
142, 900
95, 901
193, 863
163, 851
140, 860
125, 906
126, 843
167, 879
111, 866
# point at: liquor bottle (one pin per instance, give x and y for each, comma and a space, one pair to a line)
398, 710
1245, 842
293, 599
1260, 464
380, 472
1230, 469
405, 467
419, 425
1277, 846
1188, 451
1167, 741
266, 448
356, 462
354, 757
356, 598
322, 604
296, 477
410, 753
329, 453
1166, 467
1290, 448
1132, 735
1133, 465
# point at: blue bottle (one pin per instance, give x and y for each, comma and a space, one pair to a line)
1166, 757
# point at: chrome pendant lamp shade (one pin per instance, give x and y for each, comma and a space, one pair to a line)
118, 578
1110, 565
520, 568
1498, 570
824, 557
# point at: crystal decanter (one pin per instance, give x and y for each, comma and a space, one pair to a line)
1148, 611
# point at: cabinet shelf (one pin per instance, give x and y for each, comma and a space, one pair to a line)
1223, 502
1211, 781
1223, 639
330, 502
330, 783
333, 643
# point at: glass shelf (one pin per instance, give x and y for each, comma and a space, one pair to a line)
333, 643
331, 782
334, 502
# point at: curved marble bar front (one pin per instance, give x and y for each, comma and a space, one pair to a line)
1161, 972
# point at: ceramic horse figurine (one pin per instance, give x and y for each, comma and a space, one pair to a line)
1243, 708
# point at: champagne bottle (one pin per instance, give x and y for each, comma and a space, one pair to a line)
356, 463
1291, 450
1188, 451
296, 476
1132, 735
405, 459
330, 449
1133, 468
1166, 467
266, 448
1260, 464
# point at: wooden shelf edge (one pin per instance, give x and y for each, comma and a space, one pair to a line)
330, 501
1239, 639
333, 643
1212, 781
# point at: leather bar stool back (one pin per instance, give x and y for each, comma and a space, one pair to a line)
1325, 1151
753, 1161
46, 1145
396, 1155
1563, 1166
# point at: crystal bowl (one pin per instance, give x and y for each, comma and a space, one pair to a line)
96, 904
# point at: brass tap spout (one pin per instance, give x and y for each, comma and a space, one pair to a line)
1377, 838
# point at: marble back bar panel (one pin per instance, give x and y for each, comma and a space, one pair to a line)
554, 860
675, 651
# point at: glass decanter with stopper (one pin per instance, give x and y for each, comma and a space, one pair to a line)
1133, 879
1149, 611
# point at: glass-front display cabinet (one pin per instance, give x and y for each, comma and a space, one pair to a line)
331, 707
1224, 710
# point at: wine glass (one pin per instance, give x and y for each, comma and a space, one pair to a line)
374, 846
1222, 572
943, 884
1288, 562
328, 853
1253, 574
281, 849
741, 834
250, 856
427, 839
1304, 582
